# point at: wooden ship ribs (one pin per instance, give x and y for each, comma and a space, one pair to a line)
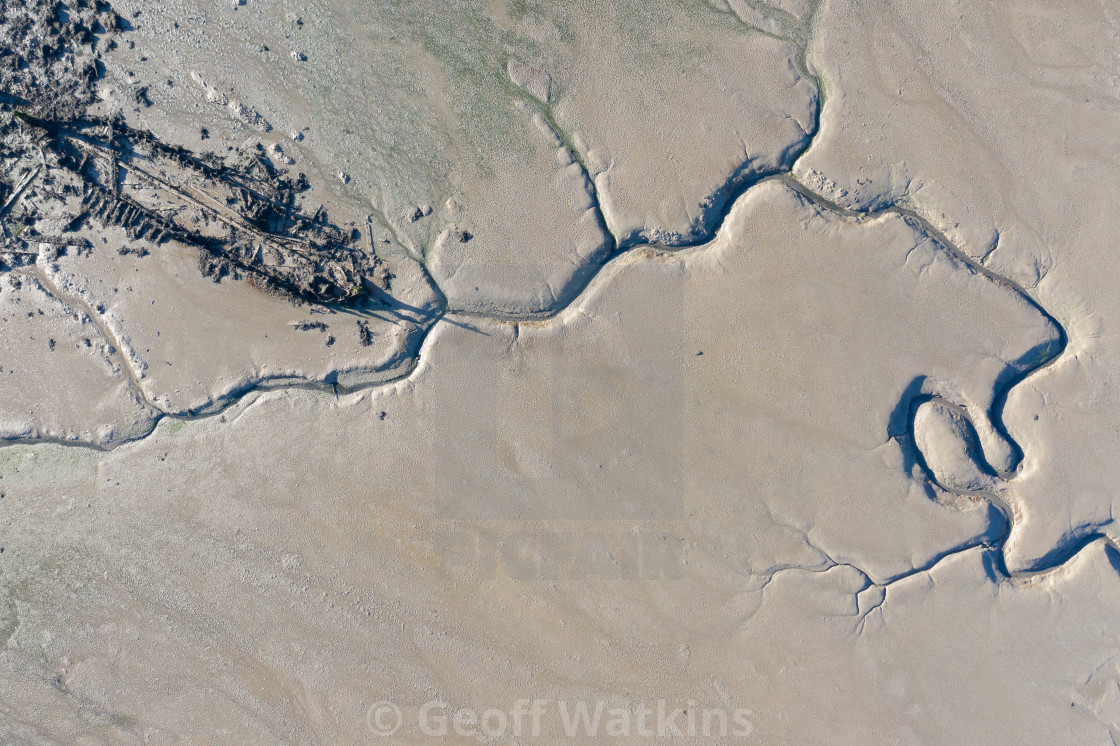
241, 218
138, 222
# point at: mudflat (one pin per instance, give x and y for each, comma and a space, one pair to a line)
521, 372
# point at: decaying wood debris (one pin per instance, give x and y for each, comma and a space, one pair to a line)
63, 171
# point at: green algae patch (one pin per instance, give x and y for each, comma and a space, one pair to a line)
47, 463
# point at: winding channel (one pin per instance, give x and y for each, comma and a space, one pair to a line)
734, 191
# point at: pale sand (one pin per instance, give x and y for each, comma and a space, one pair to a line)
781, 472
